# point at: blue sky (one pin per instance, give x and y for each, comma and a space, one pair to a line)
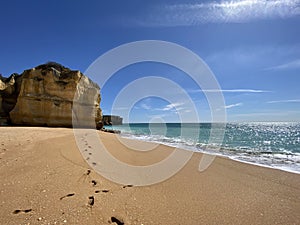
252, 47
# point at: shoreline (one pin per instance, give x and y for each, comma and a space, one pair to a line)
209, 152
42, 167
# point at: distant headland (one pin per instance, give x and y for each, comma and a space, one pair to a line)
112, 120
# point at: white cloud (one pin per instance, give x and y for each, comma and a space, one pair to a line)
241, 91
233, 105
145, 106
285, 101
238, 11
173, 106
230, 91
255, 57
177, 106
290, 65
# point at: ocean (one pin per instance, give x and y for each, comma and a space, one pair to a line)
270, 144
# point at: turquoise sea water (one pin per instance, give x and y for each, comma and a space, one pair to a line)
270, 144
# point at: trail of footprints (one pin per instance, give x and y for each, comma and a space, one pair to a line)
87, 149
91, 198
90, 201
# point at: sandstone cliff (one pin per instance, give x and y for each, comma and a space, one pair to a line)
49, 95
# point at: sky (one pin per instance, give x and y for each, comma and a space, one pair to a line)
252, 49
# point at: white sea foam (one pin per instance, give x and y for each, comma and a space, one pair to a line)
274, 145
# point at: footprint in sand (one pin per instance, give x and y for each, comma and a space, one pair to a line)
104, 191
117, 221
91, 201
88, 172
94, 182
17, 211
85, 175
68, 195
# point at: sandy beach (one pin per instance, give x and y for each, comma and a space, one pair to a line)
45, 180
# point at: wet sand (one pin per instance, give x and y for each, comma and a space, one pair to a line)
45, 180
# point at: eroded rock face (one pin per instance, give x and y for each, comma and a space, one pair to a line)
9, 89
48, 95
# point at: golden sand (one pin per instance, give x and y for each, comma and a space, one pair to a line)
45, 180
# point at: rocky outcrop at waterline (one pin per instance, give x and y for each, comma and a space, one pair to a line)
112, 120
49, 95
